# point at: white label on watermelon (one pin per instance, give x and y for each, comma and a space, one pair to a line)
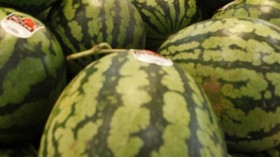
19, 26
151, 57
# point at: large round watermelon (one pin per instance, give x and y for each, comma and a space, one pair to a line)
81, 24
132, 103
268, 10
32, 70
236, 60
162, 18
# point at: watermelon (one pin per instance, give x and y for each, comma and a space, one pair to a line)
236, 61
33, 73
163, 18
28, 6
81, 24
132, 103
268, 10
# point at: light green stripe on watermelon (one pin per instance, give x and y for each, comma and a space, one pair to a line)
9, 94
263, 9
5, 58
236, 60
118, 106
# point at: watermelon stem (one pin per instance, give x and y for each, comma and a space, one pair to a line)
100, 48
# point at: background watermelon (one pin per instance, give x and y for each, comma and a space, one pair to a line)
121, 107
32, 70
268, 10
81, 24
236, 60
162, 18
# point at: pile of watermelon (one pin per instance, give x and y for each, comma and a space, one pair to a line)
145, 78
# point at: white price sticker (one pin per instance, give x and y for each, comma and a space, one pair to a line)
19, 26
151, 57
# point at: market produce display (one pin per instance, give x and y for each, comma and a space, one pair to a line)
236, 61
122, 105
146, 78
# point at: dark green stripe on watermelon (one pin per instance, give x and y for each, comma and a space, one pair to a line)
120, 107
237, 62
268, 10
164, 18
32, 74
